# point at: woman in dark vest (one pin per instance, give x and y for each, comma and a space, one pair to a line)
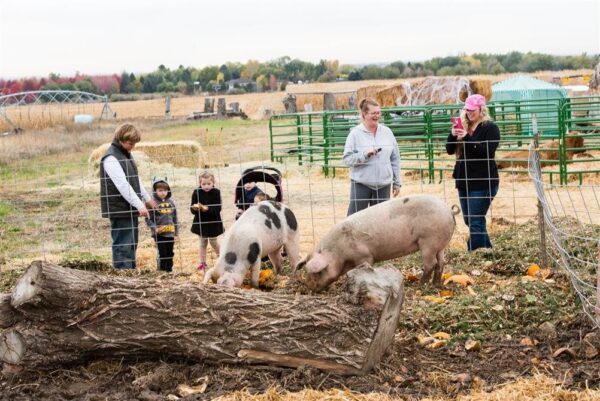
122, 196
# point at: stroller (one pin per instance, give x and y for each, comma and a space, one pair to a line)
260, 174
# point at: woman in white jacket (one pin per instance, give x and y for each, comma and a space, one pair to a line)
371, 151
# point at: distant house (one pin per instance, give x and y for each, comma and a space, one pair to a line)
241, 83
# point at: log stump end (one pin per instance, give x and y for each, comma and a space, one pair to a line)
12, 347
27, 288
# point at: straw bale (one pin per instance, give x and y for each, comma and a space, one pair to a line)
548, 152
437, 90
97, 154
393, 95
178, 153
481, 87
368, 91
316, 101
595, 81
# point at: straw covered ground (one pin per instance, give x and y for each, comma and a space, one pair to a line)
506, 335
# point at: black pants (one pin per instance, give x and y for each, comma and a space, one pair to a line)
165, 252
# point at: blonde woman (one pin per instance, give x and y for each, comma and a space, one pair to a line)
475, 171
371, 151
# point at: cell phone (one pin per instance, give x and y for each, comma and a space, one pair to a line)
456, 123
379, 150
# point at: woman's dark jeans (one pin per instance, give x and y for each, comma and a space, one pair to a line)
474, 205
124, 233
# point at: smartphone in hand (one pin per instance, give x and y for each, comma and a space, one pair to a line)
456, 123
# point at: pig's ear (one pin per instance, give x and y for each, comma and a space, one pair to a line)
317, 263
301, 263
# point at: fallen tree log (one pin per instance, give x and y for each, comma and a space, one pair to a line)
8, 315
72, 315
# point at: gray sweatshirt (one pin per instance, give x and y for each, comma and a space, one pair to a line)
378, 170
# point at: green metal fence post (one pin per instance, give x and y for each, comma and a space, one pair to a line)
429, 144
271, 139
326, 142
310, 138
562, 143
299, 137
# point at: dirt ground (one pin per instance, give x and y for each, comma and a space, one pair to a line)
540, 329
526, 326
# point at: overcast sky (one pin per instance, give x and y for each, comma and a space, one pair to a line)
38, 37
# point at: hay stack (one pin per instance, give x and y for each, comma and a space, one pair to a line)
316, 101
595, 81
393, 95
97, 154
178, 153
481, 87
436, 90
368, 91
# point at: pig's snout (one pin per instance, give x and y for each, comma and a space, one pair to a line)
226, 281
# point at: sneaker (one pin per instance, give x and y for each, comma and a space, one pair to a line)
202, 266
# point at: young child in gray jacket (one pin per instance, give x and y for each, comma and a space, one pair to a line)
163, 223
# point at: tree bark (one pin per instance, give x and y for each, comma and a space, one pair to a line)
8, 315
72, 315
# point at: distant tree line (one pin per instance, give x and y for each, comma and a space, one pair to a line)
273, 75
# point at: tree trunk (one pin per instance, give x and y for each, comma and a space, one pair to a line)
71, 315
8, 315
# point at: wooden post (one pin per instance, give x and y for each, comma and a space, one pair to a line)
329, 101
289, 102
209, 105
221, 108
352, 101
168, 107
543, 255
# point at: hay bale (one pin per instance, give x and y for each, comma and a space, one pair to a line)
368, 91
178, 153
481, 87
437, 90
595, 81
316, 100
391, 96
97, 154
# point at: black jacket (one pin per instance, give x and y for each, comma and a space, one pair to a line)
476, 168
207, 224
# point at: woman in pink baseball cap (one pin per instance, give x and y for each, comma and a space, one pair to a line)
475, 172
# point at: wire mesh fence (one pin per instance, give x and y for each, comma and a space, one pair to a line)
572, 215
51, 210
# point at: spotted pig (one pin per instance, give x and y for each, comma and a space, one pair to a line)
262, 230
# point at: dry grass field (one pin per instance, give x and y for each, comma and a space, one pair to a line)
255, 105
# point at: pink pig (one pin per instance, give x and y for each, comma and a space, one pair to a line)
389, 230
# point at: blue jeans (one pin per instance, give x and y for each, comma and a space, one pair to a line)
362, 196
474, 205
124, 234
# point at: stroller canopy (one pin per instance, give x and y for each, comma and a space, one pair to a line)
258, 174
